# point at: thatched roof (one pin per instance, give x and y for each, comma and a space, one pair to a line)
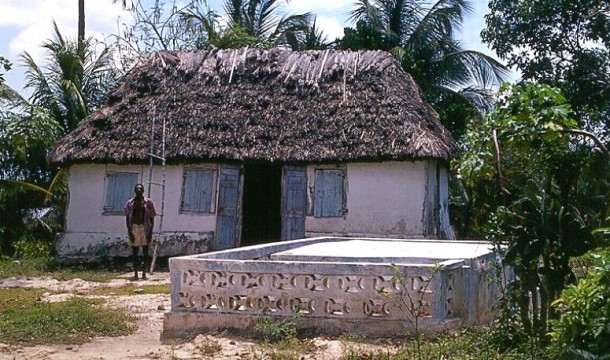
273, 105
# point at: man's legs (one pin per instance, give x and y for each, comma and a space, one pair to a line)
146, 261
136, 261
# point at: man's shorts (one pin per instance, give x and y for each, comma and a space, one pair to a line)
139, 235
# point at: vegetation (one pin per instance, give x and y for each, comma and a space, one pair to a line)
25, 320
583, 331
457, 82
530, 165
533, 177
573, 57
32, 193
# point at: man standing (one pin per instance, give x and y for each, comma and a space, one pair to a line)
140, 218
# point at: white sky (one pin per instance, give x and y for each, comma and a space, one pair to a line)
26, 24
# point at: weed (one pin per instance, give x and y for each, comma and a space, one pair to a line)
271, 330
209, 347
287, 349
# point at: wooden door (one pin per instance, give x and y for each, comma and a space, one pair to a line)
294, 202
228, 210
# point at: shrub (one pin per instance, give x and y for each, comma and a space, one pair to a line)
583, 330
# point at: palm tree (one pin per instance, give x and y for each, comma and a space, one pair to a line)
260, 19
422, 37
313, 38
75, 81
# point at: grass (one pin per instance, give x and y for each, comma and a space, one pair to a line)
468, 344
38, 267
26, 321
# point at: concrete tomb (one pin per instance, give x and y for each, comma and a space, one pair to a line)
365, 286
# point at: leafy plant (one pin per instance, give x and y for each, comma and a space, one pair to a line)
544, 185
273, 330
583, 330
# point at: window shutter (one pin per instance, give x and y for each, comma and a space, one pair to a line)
197, 194
329, 193
119, 189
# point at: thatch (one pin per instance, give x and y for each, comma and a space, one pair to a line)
251, 104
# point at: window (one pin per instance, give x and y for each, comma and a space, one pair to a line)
119, 189
198, 192
329, 193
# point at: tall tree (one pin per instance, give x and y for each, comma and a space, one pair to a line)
541, 184
565, 43
458, 82
75, 81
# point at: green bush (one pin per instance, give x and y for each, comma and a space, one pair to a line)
29, 247
583, 330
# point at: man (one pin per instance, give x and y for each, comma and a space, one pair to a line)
140, 219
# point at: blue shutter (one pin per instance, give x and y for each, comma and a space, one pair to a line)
119, 189
198, 190
329, 193
228, 211
295, 202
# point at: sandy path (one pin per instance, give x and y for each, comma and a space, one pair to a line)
145, 342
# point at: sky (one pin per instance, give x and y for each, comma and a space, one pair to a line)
26, 24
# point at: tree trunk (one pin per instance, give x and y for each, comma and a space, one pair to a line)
81, 22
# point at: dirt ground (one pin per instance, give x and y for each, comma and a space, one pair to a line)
145, 342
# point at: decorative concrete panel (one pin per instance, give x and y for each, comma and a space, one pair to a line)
331, 286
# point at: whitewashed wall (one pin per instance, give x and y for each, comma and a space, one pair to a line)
90, 232
383, 199
88, 194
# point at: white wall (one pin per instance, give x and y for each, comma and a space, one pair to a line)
87, 189
383, 199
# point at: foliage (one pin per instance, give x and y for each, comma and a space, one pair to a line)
467, 344
273, 330
262, 20
575, 53
421, 35
25, 320
173, 26
32, 193
193, 25
539, 179
583, 331
5, 65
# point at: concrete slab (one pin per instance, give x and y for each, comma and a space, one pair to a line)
386, 251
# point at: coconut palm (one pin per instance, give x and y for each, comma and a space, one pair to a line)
422, 37
75, 81
313, 38
261, 19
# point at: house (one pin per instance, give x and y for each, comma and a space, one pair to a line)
260, 145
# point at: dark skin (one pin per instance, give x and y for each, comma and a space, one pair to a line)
138, 218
